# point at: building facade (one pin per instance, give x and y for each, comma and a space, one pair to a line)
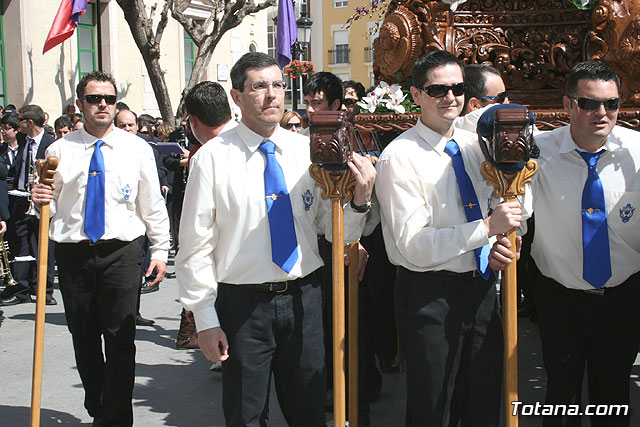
49, 80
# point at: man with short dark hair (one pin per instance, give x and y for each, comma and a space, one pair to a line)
353, 92
104, 198
248, 253
22, 234
434, 204
62, 126
483, 87
587, 247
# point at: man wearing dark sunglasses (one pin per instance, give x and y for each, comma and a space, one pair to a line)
587, 247
106, 197
483, 87
434, 204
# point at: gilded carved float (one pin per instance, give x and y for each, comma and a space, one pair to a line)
532, 43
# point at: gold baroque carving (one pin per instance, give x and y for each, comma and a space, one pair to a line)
334, 184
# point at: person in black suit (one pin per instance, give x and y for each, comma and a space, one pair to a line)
22, 232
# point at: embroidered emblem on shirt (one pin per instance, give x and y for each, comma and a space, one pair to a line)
626, 213
126, 192
307, 198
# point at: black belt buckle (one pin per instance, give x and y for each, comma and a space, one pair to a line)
99, 242
598, 292
281, 291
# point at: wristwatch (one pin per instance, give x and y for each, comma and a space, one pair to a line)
361, 209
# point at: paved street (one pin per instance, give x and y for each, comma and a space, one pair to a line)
175, 387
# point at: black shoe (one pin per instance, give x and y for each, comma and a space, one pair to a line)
13, 300
389, 366
170, 275
141, 321
146, 288
51, 300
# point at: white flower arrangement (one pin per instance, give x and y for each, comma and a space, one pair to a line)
385, 98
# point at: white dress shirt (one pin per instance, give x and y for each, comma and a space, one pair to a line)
224, 229
134, 204
557, 203
423, 221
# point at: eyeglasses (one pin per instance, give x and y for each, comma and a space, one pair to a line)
349, 102
22, 119
440, 91
262, 85
590, 104
290, 126
498, 99
95, 99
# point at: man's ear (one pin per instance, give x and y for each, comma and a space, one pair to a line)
474, 104
79, 104
566, 101
235, 95
335, 105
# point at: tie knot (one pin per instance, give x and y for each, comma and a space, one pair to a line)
452, 148
267, 147
591, 158
99, 143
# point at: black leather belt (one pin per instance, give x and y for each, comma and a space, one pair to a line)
274, 287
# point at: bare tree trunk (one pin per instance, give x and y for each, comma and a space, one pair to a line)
148, 44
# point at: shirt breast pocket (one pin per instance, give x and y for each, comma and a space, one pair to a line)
623, 208
125, 189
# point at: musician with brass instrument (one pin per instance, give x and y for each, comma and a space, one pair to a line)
22, 234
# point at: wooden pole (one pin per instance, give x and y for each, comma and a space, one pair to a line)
47, 169
509, 291
339, 403
508, 185
353, 317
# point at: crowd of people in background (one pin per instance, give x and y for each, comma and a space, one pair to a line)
424, 284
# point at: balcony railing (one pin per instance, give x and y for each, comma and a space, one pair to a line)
368, 54
339, 55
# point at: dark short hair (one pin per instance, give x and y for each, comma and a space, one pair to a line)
431, 60
475, 81
63, 121
121, 106
326, 82
135, 116
590, 70
247, 61
33, 112
208, 102
357, 86
96, 76
11, 119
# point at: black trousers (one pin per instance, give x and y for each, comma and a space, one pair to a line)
22, 237
599, 332
451, 335
270, 331
99, 287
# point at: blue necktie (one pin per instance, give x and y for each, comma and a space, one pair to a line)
596, 259
470, 203
284, 245
94, 208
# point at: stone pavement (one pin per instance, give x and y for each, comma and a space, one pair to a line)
175, 387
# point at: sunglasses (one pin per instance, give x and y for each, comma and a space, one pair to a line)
498, 99
590, 104
349, 102
95, 99
440, 91
290, 126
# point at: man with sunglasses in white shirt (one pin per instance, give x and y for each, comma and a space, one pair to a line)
587, 247
434, 204
104, 198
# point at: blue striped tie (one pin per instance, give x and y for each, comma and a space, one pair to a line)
284, 245
94, 207
470, 203
596, 258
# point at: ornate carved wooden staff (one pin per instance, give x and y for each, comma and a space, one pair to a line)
330, 152
505, 134
46, 170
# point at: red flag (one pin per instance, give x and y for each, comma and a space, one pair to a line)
65, 22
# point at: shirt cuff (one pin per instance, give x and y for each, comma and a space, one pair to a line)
206, 318
160, 255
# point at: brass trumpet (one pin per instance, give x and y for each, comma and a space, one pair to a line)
5, 269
